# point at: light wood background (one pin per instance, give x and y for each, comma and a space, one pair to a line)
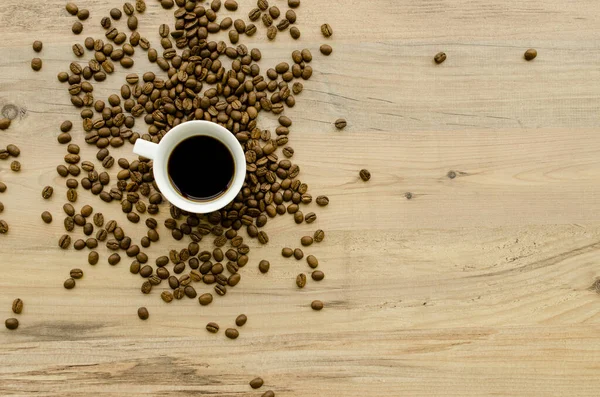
477, 285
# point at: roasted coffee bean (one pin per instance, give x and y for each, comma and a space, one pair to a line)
298, 254
47, 192
205, 299
146, 287
166, 296
318, 275
322, 201
530, 54
46, 217
316, 305
114, 259
256, 383
37, 46
263, 238
77, 27
69, 283
76, 273
326, 30
93, 258
143, 313
301, 280
212, 328
64, 242
17, 306
326, 49
219, 289
231, 5
439, 57
287, 252
11, 323
241, 320
232, 333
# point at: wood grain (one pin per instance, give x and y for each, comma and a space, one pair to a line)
477, 285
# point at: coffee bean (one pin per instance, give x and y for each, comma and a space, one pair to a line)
283, 25
82, 15
290, 15
132, 22
11, 323
232, 333
77, 27
114, 259
301, 280
128, 8
17, 306
365, 175
205, 299
263, 238
271, 32
36, 64
326, 30
69, 283
4, 123
322, 201
37, 46
319, 235
72, 8
143, 313
76, 273
306, 241
439, 57
530, 54
64, 242
256, 383
312, 261
212, 328
316, 305
220, 289
98, 219
254, 14
264, 266
47, 192
293, 3
146, 287
93, 258
298, 254
241, 320
47, 217
326, 49
231, 5
318, 275
140, 6
295, 33
287, 252
78, 50
340, 124
250, 29
166, 296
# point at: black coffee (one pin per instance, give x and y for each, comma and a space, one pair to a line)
201, 168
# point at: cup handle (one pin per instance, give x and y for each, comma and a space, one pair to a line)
145, 148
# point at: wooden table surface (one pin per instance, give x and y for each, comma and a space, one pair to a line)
475, 285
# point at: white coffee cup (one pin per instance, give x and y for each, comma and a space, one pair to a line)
161, 152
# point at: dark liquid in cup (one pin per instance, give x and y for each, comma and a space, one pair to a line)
201, 168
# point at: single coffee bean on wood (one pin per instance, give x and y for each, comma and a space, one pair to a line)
319, 235
143, 313
264, 266
4, 228
76, 273
11, 323
205, 299
301, 280
69, 283
47, 217
256, 383
439, 57
93, 258
340, 124
287, 252
17, 306
37, 46
322, 201
306, 241
212, 327
298, 254
232, 333
36, 64
530, 54
318, 275
316, 305
47, 192
312, 261
326, 30
241, 320
326, 49
365, 175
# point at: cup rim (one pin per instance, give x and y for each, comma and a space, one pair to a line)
187, 130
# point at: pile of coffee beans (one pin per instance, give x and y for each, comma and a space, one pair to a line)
200, 79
